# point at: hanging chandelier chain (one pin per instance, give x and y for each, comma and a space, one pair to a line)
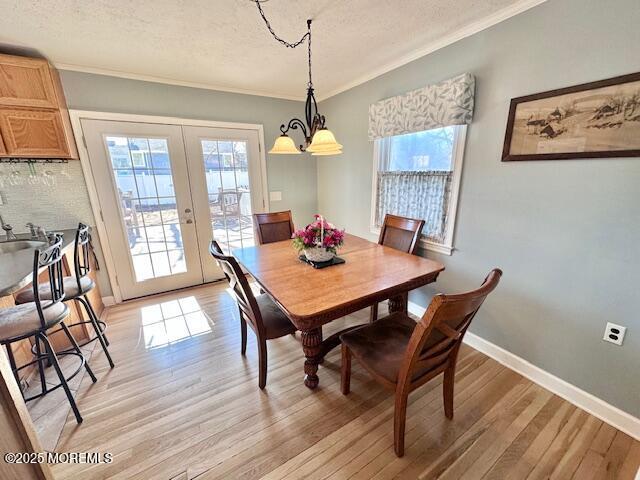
282, 41
310, 84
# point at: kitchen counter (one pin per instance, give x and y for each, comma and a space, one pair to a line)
16, 268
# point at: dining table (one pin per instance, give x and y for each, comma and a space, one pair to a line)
312, 297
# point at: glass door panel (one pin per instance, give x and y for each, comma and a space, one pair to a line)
228, 192
148, 205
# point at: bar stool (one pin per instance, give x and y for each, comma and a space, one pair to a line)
76, 289
35, 319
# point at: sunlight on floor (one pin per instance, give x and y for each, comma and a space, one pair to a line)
173, 321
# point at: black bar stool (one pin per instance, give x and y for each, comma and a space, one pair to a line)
35, 319
76, 289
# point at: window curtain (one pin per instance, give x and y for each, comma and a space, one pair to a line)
424, 195
449, 102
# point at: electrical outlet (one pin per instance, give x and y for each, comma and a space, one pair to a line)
614, 333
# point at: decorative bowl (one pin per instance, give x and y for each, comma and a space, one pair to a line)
318, 254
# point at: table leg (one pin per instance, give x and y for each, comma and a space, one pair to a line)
311, 345
399, 303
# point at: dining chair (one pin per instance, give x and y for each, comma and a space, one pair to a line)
260, 312
37, 318
399, 233
76, 289
273, 227
402, 354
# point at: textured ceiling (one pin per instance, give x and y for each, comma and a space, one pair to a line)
224, 43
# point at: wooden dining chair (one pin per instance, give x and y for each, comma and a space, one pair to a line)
402, 234
273, 227
263, 316
403, 355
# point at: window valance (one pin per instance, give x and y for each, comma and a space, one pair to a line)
449, 102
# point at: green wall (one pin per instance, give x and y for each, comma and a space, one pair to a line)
566, 233
294, 176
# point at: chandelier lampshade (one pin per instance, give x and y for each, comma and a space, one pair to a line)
284, 145
324, 141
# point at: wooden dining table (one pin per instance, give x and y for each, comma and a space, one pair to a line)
313, 297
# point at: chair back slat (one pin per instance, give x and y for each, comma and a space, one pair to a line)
449, 317
240, 288
400, 233
81, 247
273, 227
51, 259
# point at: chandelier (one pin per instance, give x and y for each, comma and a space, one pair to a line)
318, 140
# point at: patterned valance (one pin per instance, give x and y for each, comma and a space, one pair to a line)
449, 102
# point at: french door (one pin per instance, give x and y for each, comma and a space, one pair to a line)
165, 191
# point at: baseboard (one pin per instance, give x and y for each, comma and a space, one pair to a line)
597, 407
108, 301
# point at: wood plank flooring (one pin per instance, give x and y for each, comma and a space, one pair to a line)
182, 403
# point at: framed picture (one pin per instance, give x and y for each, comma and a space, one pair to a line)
593, 120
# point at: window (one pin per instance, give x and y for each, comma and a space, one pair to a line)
417, 175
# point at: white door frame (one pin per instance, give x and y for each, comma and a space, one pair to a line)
78, 115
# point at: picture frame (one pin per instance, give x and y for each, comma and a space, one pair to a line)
593, 120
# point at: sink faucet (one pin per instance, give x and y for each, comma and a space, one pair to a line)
37, 233
8, 229
32, 230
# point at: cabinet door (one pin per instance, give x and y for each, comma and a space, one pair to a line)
33, 133
3, 151
26, 82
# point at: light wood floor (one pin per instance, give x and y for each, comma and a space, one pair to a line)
192, 408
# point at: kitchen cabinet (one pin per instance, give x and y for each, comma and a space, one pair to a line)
34, 121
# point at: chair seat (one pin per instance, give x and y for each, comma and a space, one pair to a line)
276, 323
70, 290
22, 320
382, 345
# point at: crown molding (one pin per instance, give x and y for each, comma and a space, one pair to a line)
452, 37
170, 81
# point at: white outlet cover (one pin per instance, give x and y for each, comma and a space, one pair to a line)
275, 196
609, 331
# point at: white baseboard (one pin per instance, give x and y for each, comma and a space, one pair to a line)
597, 407
108, 301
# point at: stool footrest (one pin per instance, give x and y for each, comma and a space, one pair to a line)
103, 328
44, 357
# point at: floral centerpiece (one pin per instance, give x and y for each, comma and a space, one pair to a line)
319, 240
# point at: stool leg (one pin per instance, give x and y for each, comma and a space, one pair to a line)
14, 367
96, 326
54, 361
95, 318
78, 351
39, 355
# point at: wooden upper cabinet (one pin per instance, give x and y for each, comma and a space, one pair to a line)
33, 133
34, 122
26, 82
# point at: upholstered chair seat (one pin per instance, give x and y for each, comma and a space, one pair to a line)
24, 319
382, 346
71, 290
276, 323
